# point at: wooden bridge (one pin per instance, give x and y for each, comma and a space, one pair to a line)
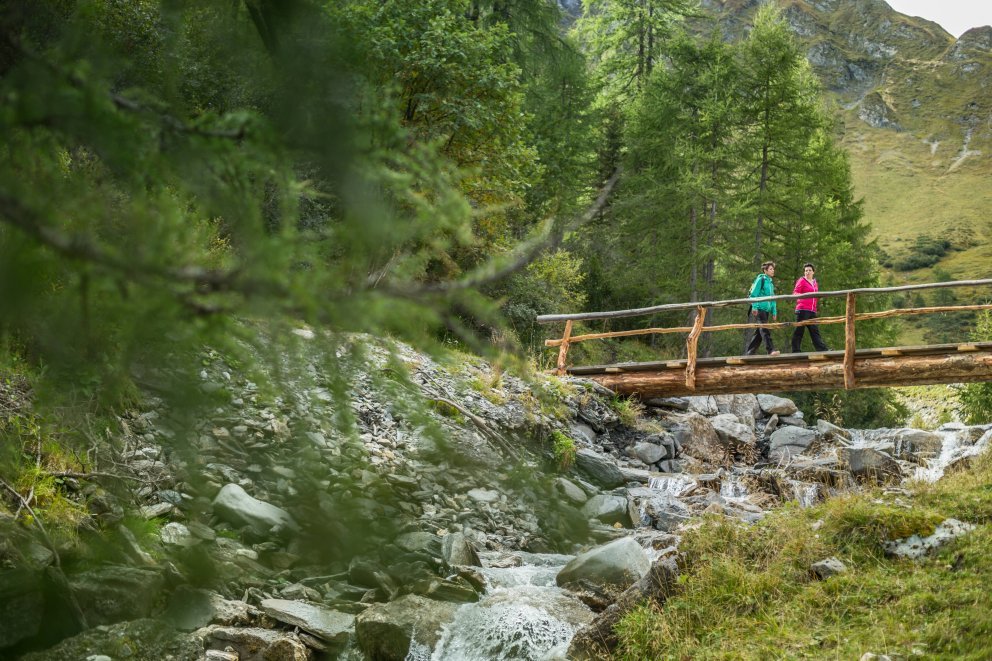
850, 368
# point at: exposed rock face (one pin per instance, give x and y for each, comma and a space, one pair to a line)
234, 504
618, 564
699, 439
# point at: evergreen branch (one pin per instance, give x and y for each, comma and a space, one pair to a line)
491, 272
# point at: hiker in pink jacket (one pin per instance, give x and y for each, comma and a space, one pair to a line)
805, 310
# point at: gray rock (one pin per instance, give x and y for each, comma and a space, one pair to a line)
385, 631
699, 439
582, 432
788, 441
419, 542
651, 507
617, 564
598, 639
607, 509
132, 640
234, 505
704, 405
457, 550
483, 495
826, 568
190, 609
870, 465
176, 534
599, 468
330, 625
916, 547
793, 421
649, 453
570, 491
730, 430
259, 644
156, 510
771, 404
771, 425
830, 431
914, 444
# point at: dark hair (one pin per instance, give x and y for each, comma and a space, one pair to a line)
764, 267
809, 265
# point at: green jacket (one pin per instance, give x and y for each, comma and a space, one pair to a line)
762, 287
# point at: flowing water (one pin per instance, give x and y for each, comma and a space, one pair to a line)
524, 615
956, 446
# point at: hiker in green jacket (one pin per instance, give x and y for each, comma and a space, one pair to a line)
761, 311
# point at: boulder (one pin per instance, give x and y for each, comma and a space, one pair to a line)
420, 542
618, 564
652, 507
771, 404
597, 640
607, 509
677, 403
826, 568
830, 431
914, 444
457, 550
868, 464
916, 547
698, 438
234, 505
744, 407
176, 534
599, 468
731, 431
384, 632
134, 639
258, 644
788, 441
570, 491
649, 453
704, 405
328, 625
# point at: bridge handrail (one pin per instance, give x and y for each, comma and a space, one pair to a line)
671, 307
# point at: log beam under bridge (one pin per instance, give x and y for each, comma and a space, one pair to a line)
873, 368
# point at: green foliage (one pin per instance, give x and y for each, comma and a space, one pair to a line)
976, 398
926, 251
629, 410
854, 409
563, 448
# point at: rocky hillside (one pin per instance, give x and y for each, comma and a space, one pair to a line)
499, 518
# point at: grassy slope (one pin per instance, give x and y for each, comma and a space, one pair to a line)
747, 593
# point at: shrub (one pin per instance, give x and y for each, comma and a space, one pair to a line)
564, 449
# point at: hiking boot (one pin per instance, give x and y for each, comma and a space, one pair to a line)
775, 353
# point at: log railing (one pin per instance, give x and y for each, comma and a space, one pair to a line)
850, 318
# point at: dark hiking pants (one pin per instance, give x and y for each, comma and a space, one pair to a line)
759, 317
814, 332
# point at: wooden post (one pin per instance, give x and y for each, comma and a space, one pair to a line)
563, 350
849, 345
690, 345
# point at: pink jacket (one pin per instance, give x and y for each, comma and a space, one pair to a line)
804, 286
